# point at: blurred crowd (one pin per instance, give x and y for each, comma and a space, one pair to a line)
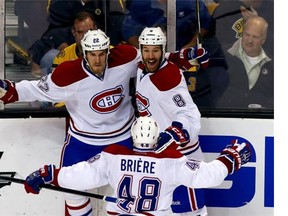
238, 35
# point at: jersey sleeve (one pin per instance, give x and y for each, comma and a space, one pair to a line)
94, 170
55, 87
42, 90
198, 174
175, 100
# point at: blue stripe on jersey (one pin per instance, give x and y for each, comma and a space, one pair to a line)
99, 137
113, 134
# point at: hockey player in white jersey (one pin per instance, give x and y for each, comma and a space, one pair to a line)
95, 90
162, 92
142, 179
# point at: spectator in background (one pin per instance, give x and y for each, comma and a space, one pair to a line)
207, 85
151, 13
58, 36
83, 22
251, 70
231, 15
34, 14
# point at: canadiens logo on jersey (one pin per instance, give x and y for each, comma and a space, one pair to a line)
238, 27
142, 105
107, 101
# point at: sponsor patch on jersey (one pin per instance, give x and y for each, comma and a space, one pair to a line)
192, 164
94, 158
176, 202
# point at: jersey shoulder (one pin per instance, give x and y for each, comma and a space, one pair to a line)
167, 77
118, 149
121, 54
123, 150
170, 153
68, 73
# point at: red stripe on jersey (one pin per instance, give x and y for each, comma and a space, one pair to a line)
192, 199
68, 72
79, 207
74, 129
67, 141
189, 147
166, 77
123, 150
121, 54
112, 213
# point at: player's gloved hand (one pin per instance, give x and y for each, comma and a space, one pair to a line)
45, 175
3, 87
8, 93
173, 134
199, 54
235, 155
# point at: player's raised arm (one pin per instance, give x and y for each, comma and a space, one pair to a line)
202, 174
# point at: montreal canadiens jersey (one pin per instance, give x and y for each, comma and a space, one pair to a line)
100, 108
165, 96
143, 181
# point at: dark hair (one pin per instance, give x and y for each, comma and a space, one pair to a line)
82, 15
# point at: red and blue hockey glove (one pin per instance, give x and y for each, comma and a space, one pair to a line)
45, 175
189, 58
199, 54
8, 93
175, 133
235, 155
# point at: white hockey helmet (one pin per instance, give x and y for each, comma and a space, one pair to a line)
153, 36
95, 40
145, 133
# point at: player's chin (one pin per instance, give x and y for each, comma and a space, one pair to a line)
152, 67
97, 69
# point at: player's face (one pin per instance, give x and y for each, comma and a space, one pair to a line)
152, 56
97, 60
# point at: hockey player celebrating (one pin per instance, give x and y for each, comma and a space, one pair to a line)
162, 92
142, 179
95, 90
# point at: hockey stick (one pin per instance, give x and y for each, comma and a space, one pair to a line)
18, 50
199, 38
61, 189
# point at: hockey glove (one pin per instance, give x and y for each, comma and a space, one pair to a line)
235, 155
173, 134
200, 54
8, 93
45, 175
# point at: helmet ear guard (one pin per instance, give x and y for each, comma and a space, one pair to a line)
145, 133
95, 40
